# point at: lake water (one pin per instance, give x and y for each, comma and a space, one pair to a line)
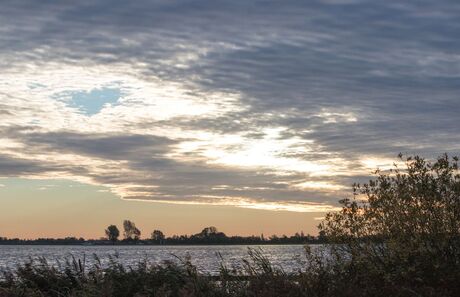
289, 257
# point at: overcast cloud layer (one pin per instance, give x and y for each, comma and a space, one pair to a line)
275, 105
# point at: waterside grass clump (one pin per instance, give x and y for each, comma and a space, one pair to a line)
326, 274
256, 277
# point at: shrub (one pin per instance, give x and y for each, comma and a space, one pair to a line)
401, 231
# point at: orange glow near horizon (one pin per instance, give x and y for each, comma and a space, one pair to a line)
42, 210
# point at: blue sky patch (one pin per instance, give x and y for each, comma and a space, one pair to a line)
93, 102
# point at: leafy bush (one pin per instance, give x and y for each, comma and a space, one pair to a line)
400, 233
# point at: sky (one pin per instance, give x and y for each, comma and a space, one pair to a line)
253, 116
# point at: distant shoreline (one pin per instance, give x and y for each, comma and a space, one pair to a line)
131, 234
163, 245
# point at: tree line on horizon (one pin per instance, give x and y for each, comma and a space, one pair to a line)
209, 235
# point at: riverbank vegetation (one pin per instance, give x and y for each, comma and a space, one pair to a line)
398, 235
256, 277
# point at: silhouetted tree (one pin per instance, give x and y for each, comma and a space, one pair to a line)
209, 231
130, 231
112, 233
210, 235
322, 236
158, 236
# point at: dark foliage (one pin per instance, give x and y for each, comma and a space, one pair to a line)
400, 233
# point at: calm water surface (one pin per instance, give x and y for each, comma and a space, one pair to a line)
289, 257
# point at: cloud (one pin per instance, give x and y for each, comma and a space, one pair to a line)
11, 166
276, 106
105, 146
